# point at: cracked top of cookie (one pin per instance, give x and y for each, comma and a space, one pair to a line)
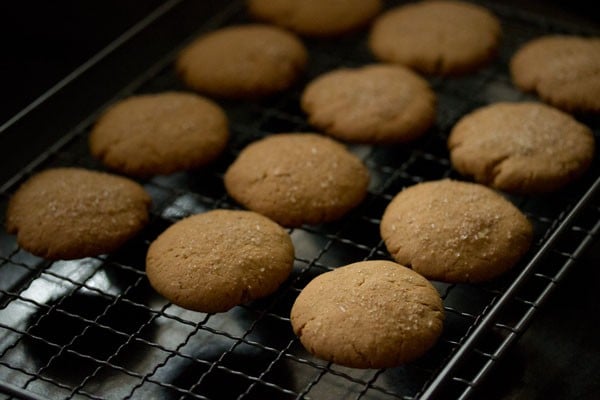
297, 178
370, 314
455, 231
216, 260
521, 147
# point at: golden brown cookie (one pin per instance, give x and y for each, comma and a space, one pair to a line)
159, 134
318, 18
297, 178
370, 314
521, 147
68, 213
436, 37
372, 104
245, 61
563, 70
455, 231
214, 261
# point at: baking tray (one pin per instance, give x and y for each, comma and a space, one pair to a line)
93, 328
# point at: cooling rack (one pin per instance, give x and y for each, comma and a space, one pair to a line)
94, 329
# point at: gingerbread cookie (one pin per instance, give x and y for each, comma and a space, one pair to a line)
455, 231
372, 104
436, 37
68, 213
297, 178
214, 261
159, 134
563, 70
245, 61
521, 147
335, 315
317, 18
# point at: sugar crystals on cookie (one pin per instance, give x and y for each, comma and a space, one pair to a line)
298, 178
563, 70
521, 147
373, 104
68, 213
370, 314
455, 231
214, 261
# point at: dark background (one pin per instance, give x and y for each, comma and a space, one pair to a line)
559, 355
42, 41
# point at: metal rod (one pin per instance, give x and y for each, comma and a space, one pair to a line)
437, 384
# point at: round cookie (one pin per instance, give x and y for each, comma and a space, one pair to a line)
436, 37
68, 213
521, 147
214, 261
372, 104
158, 134
245, 61
317, 18
370, 314
297, 178
455, 231
563, 70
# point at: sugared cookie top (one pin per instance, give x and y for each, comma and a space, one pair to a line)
297, 178
214, 261
436, 37
68, 213
563, 70
159, 134
370, 314
244, 61
521, 147
455, 231
316, 17
372, 104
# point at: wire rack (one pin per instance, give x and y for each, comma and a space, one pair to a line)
94, 329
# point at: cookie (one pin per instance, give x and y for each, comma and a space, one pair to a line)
246, 61
69, 213
370, 314
455, 231
214, 261
158, 134
297, 178
372, 104
563, 70
521, 147
436, 37
317, 18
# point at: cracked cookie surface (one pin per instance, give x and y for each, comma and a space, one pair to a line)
373, 104
243, 61
521, 147
159, 134
563, 70
214, 261
370, 314
455, 231
69, 213
297, 178
436, 37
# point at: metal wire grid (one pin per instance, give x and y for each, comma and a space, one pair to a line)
93, 328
